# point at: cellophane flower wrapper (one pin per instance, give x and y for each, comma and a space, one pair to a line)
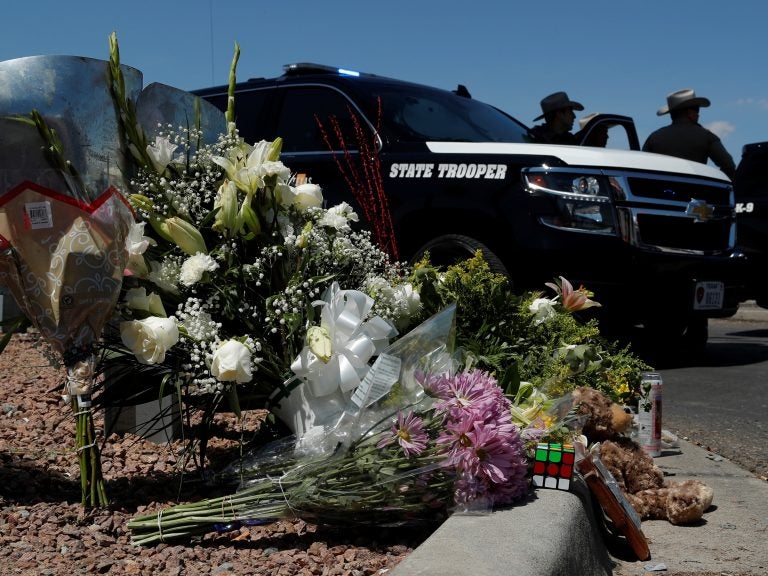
63, 219
399, 454
62, 255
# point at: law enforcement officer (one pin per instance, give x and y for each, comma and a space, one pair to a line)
558, 114
598, 136
685, 137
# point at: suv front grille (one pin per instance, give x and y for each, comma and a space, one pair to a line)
657, 219
677, 190
682, 233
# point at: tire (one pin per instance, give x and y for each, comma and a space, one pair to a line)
452, 248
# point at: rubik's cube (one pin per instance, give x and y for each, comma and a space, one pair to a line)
553, 466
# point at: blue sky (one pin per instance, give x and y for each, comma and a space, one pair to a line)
621, 57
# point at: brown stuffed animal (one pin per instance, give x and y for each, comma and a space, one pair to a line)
641, 481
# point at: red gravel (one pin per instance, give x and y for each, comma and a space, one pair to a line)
45, 531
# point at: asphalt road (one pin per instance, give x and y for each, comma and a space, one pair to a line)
719, 399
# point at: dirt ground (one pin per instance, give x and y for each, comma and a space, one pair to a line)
45, 531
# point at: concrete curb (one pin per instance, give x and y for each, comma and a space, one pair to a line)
749, 311
553, 534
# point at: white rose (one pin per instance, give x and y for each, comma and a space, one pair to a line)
543, 309
319, 342
151, 338
307, 196
232, 362
194, 267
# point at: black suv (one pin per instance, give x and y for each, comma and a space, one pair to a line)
751, 189
653, 236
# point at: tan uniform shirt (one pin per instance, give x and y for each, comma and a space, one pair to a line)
686, 139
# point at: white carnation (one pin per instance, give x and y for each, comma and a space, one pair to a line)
543, 309
194, 267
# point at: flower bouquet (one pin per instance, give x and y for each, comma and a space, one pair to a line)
63, 222
235, 267
415, 442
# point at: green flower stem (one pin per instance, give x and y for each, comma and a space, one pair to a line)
93, 491
317, 488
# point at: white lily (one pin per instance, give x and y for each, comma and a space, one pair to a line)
228, 216
161, 153
138, 299
247, 166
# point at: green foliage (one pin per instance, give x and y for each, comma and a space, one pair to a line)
498, 332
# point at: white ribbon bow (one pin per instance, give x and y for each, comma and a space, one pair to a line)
353, 339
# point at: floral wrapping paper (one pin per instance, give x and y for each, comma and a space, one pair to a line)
63, 260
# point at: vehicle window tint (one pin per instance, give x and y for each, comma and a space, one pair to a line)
307, 112
437, 115
252, 108
252, 112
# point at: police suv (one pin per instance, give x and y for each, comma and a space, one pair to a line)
653, 236
751, 189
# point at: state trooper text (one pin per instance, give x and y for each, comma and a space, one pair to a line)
416, 170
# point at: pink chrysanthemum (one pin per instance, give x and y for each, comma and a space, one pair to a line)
481, 450
482, 445
475, 391
409, 433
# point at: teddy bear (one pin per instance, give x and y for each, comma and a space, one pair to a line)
638, 477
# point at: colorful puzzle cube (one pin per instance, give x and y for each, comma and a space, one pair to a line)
553, 466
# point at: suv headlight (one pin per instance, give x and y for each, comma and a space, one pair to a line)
577, 200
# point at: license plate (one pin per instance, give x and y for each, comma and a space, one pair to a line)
708, 296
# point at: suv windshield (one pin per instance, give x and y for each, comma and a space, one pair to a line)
429, 115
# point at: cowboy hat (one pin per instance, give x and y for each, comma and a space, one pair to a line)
557, 101
683, 99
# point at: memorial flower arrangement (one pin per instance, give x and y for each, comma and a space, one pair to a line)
433, 443
240, 285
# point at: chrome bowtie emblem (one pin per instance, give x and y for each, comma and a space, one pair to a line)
699, 210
